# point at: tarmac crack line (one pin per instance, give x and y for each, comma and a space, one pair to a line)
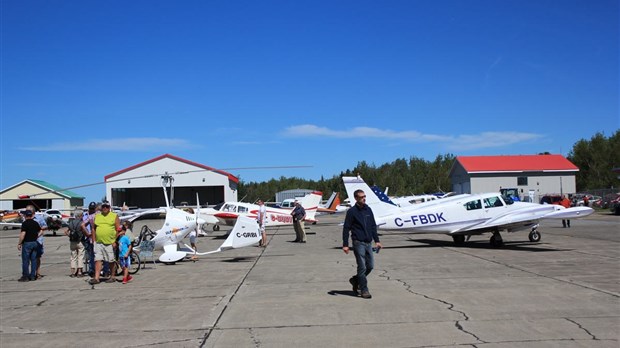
583, 328
536, 274
450, 306
214, 327
255, 339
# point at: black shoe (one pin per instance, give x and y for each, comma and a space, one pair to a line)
353, 281
303, 241
295, 241
23, 279
366, 294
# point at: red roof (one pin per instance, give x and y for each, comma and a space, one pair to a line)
206, 168
519, 163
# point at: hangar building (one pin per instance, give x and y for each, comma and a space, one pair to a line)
141, 185
532, 175
43, 196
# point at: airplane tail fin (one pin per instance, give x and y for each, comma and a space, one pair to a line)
335, 203
332, 204
379, 207
330, 201
244, 233
310, 202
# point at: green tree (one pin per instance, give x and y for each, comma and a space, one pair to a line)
595, 159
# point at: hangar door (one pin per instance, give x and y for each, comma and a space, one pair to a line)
153, 197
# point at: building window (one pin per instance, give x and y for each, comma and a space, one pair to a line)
522, 181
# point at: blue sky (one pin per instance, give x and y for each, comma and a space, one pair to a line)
92, 87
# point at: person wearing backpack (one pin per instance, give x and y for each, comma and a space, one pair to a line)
75, 234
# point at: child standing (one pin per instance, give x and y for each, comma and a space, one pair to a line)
124, 248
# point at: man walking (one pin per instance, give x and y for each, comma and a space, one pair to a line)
299, 214
360, 223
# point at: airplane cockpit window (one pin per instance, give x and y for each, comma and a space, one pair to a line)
493, 202
243, 210
473, 205
230, 208
508, 200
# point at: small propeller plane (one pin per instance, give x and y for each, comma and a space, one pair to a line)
227, 213
179, 223
464, 215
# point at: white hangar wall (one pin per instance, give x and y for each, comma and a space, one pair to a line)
141, 185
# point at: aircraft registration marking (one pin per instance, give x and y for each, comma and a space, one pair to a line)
422, 219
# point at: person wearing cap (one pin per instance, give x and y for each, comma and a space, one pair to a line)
104, 230
28, 246
299, 214
40, 249
88, 220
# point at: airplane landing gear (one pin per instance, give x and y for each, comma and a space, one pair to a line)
496, 240
459, 239
534, 236
216, 228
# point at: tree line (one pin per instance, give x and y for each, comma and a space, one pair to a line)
595, 159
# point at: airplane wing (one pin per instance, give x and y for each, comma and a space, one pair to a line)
135, 216
523, 218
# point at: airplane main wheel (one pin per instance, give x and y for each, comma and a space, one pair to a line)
459, 239
496, 241
216, 228
534, 236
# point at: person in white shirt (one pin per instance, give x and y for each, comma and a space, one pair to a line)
261, 217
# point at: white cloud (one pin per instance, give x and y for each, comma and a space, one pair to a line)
120, 144
455, 142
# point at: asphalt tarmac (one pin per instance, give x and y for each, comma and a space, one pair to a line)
561, 292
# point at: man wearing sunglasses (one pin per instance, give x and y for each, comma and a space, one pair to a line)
360, 224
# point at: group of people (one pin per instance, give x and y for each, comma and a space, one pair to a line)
95, 238
94, 235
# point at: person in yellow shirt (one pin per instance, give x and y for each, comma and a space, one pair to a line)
107, 225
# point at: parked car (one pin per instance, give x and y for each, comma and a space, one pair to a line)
608, 198
551, 199
614, 205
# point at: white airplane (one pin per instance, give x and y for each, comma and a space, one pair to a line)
464, 215
179, 223
228, 213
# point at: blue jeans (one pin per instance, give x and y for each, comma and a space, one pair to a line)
88, 246
29, 258
365, 262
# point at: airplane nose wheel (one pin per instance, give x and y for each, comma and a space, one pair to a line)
216, 228
534, 236
496, 240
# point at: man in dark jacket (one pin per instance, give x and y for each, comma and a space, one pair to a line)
360, 223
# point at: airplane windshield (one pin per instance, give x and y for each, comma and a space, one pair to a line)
218, 206
473, 205
230, 208
493, 202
